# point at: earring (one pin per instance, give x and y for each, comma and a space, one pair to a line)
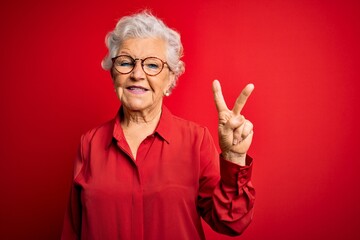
166, 93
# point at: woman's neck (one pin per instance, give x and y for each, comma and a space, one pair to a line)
140, 118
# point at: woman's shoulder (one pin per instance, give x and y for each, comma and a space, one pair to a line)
103, 131
188, 127
187, 131
180, 122
187, 123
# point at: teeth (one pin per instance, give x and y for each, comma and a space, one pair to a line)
137, 89
134, 88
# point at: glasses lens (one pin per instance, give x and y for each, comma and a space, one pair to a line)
124, 64
152, 66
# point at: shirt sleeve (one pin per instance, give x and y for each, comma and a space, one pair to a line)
72, 220
226, 198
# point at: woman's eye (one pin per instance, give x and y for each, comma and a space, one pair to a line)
152, 66
126, 64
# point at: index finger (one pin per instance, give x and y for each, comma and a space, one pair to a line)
218, 96
242, 98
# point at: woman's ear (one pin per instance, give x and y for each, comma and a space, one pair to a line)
167, 93
172, 80
113, 78
170, 85
112, 74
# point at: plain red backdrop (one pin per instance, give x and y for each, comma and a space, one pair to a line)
302, 56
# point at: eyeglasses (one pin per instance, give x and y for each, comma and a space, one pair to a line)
152, 66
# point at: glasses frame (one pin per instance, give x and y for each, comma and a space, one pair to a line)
163, 63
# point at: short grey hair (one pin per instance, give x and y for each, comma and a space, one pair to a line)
145, 25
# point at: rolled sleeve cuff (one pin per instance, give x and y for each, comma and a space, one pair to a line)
234, 175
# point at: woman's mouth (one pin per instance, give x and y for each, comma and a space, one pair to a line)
137, 89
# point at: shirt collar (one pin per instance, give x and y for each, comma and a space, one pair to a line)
163, 129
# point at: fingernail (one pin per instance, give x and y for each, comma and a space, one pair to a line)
235, 141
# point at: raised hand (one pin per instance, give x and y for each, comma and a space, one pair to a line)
235, 131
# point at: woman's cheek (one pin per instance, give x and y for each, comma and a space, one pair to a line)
117, 82
119, 91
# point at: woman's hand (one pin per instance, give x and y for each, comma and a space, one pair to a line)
235, 131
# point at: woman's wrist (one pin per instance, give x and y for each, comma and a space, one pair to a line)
234, 157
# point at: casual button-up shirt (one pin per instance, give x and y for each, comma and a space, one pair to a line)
177, 178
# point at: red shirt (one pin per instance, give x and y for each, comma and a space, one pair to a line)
174, 181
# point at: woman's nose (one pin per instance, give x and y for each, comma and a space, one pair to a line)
138, 72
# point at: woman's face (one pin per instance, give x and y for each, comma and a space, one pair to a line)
136, 90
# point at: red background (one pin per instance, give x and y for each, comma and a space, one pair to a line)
302, 56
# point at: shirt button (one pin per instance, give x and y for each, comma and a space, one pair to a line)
242, 180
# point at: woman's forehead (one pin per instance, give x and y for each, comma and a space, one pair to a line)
144, 47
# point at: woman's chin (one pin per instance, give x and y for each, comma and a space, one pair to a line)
137, 105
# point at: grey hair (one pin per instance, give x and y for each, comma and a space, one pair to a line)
145, 25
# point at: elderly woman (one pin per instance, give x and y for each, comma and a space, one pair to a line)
148, 174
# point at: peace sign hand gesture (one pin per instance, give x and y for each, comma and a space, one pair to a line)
235, 132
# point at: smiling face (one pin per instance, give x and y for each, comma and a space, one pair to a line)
136, 90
